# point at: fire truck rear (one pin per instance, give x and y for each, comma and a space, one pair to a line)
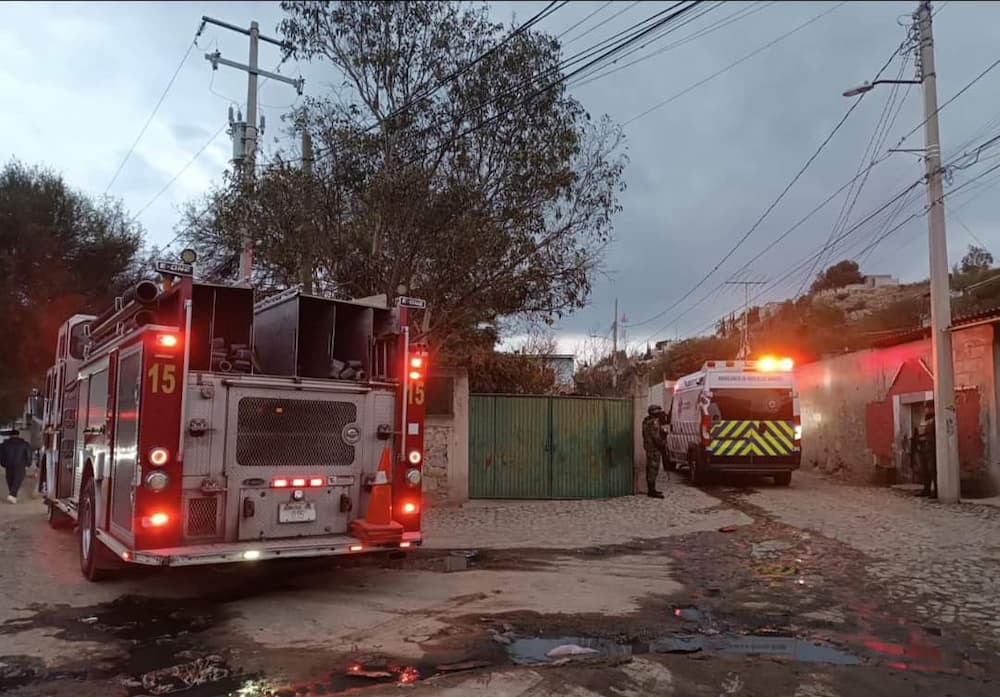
188, 425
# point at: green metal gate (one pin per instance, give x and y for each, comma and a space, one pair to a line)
538, 447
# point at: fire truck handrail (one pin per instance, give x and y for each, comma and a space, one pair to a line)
300, 383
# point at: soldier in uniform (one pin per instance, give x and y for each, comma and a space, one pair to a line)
655, 447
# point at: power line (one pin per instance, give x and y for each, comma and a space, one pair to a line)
549, 9
555, 83
584, 20
180, 172
638, 31
875, 143
880, 238
732, 65
760, 220
156, 108
613, 17
742, 13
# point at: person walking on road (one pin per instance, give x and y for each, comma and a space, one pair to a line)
927, 451
15, 456
655, 447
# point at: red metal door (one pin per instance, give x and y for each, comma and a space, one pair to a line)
879, 431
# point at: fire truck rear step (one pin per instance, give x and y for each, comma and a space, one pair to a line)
225, 552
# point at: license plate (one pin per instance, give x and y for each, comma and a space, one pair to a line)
296, 513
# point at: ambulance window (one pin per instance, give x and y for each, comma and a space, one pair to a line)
760, 404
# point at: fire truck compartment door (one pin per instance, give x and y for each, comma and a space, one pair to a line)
275, 513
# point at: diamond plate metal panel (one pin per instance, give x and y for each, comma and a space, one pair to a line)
202, 516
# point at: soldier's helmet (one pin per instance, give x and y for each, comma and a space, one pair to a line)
654, 409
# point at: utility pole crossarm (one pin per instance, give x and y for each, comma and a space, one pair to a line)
232, 27
216, 60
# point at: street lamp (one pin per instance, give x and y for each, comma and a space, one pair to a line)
869, 86
945, 428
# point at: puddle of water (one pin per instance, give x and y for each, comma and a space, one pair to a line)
791, 648
534, 650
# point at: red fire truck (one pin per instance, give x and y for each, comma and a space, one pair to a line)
188, 425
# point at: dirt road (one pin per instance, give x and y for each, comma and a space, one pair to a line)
817, 590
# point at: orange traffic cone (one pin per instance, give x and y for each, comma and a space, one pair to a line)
378, 525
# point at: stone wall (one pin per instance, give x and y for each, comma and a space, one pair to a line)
446, 444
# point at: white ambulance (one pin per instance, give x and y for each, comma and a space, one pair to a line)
737, 416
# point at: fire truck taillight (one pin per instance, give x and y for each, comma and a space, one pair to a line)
158, 457
166, 340
279, 483
409, 508
316, 481
415, 457
157, 520
416, 368
298, 482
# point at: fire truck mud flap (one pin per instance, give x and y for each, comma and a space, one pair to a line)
224, 553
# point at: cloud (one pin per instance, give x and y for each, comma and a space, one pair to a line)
702, 169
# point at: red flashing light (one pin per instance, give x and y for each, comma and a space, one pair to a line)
166, 340
417, 362
284, 482
356, 548
405, 545
157, 520
416, 375
409, 508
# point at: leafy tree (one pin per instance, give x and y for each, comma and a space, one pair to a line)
441, 166
687, 356
843, 273
60, 253
976, 259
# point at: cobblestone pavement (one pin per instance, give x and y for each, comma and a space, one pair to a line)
943, 561
576, 524
739, 589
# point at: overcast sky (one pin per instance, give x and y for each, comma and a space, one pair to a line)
78, 82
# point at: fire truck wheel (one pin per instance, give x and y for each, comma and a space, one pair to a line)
57, 519
93, 555
783, 478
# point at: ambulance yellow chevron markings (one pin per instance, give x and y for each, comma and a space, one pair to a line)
762, 438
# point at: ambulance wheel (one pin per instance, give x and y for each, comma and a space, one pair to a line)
57, 519
699, 472
783, 479
92, 553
